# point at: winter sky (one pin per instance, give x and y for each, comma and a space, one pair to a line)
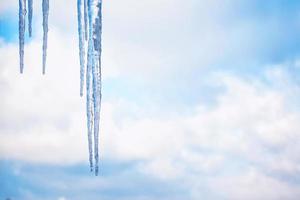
200, 102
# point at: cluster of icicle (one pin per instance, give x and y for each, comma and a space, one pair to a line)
22, 19
89, 32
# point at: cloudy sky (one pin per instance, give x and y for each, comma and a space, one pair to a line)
200, 101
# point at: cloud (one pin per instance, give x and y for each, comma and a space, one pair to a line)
6, 6
43, 121
248, 136
255, 185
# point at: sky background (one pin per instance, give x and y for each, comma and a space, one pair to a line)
200, 101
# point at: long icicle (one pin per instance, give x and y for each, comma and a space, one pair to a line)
81, 44
97, 80
89, 111
89, 77
82, 56
30, 13
45, 5
22, 13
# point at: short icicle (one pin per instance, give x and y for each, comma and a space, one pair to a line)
45, 6
22, 13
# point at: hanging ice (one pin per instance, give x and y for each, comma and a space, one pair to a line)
94, 64
89, 19
90, 105
97, 79
30, 12
45, 5
91, 15
22, 13
81, 36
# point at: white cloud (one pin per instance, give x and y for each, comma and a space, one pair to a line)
255, 185
6, 6
42, 118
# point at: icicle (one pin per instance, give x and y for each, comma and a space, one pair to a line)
30, 11
85, 19
97, 80
81, 44
94, 64
45, 30
89, 106
89, 78
22, 13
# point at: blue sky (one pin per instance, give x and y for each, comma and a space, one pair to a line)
200, 101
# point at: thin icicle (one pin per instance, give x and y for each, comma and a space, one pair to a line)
30, 12
90, 108
89, 77
81, 44
94, 64
45, 5
97, 99
22, 13
97, 80
96, 96
85, 8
